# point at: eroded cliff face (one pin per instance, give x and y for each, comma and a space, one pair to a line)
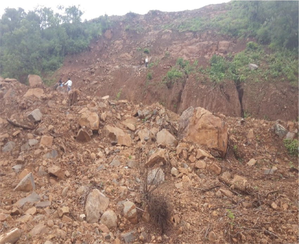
114, 66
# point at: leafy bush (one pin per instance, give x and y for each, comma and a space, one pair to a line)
291, 146
174, 74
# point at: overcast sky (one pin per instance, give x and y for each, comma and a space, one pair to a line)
93, 9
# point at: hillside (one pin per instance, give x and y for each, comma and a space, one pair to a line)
114, 65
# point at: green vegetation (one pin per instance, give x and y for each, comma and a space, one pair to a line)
149, 75
118, 94
291, 146
179, 72
277, 66
231, 216
37, 42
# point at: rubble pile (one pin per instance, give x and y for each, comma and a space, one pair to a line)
98, 170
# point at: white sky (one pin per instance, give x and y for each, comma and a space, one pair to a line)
93, 9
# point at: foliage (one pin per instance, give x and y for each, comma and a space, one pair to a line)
291, 146
149, 76
279, 65
37, 42
146, 50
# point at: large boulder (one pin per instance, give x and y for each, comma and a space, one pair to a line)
37, 92
90, 120
35, 81
202, 127
118, 135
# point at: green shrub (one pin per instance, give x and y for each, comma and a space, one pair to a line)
149, 76
146, 50
291, 146
174, 74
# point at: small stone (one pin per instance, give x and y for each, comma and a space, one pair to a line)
109, 218
274, 205
31, 211
174, 171
35, 115
10, 237
56, 171
26, 184
130, 212
251, 162
200, 164
44, 204
8, 147
214, 168
96, 203
46, 141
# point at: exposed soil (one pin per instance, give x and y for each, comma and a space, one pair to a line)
114, 65
202, 203
249, 196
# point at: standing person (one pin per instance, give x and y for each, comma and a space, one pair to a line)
60, 83
69, 84
146, 61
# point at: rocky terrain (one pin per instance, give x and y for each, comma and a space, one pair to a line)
84, 168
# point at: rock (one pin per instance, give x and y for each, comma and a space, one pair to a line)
251, 162
37, 92
83, 135
174, 171
35, 81
250, 135
89, 120
115, 163
44, 204
128, 237
10, 237
155, 176
200, 164
290, 136
8, 147
17, 168
26, 184
201, 154
156, 158
239, 182
56, 171
109, 218
129, 125
35, 115
270, 171
280, 130
96, 204
38, 229
202, 127
144, 134
25, 218
166, 139
130, 212
252, 66
226, 192
214, 168
32, 142
274, 205
32, 198
117, 134
31, 211
52, 154
46, 141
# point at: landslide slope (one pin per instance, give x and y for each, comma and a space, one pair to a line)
114, 65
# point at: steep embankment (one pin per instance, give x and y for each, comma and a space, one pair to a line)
114, 66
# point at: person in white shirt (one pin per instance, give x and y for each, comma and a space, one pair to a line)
69, 84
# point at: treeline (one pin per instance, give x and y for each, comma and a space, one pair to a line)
273, 23
37, 42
